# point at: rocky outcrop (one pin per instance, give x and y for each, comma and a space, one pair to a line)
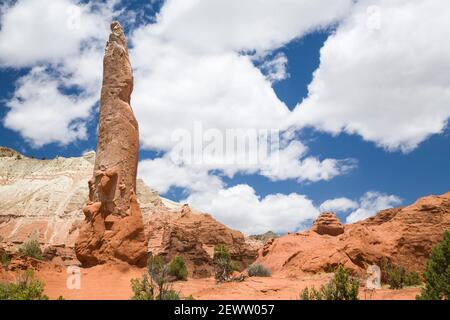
113, 228
263, 238
401, 236
328, 223
193, 236
43, 199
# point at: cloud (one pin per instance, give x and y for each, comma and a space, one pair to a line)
291, 162
371, 203
162, 174
240, 208
338, 205
275, 68
382, 75
43, 114
261, 25
189, 69
47, 31
62, 42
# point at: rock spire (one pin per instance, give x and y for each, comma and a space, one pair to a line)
113, 227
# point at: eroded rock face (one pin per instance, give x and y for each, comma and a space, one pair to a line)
328, 223
193, 236
43, 200
113, 228
400, 236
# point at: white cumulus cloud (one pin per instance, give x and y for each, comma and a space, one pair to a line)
338, 205
239, 207
43, 114
371, 203
62, 42
384, 74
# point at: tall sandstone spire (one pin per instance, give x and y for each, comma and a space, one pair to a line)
113, 228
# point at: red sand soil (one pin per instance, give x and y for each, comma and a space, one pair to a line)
113, 282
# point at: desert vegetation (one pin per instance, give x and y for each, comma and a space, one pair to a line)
177, 268
437, 272
258, 270
223, 264
32, 249
155, 285
397, 278
26, 287
342, 287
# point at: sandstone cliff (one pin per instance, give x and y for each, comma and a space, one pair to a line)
44, 198
401, 236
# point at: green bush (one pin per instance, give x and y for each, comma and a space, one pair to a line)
398, 278
312, 294
155, 285
26, 287
4, 259
31, 249
342, 287
170, 295
223, 264
142, 289
159, 274
177, 268
258, 270
437, 272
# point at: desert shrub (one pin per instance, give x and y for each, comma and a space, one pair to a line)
258, 270
31, 249
437, 272
60, 298
342, 287
159, 273
154, 285
4, 259
398, 278
177, 268
26, 287
223, 264
142, 289
189, 297
312, 294
170, 295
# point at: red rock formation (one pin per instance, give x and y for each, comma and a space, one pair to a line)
113, 227
400, 236
193, 236
328, 223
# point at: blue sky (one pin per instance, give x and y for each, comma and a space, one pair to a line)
375, 121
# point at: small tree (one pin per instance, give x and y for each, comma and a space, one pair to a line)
26, 287
142, 289
177, 268
159, 273
437, 272
224, 266
398, 278
342, 287
4, 259
258, 270
31, 249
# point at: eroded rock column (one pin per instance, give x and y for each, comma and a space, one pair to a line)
113, 228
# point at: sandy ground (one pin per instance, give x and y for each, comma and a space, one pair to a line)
113, 282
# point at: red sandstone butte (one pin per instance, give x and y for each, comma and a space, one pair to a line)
113, 228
